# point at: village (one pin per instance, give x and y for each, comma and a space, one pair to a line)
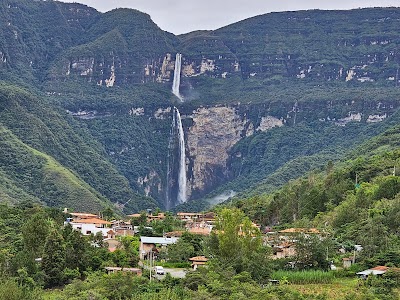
153, 246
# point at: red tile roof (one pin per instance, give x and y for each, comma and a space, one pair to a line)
199, 258
92, 221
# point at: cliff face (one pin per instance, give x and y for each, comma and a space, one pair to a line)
358, 46
214, 131
137, 139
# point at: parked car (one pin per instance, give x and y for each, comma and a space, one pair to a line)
159, 270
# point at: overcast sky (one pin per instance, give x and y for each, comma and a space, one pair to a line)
181, 16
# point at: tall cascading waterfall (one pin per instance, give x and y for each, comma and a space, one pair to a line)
182, 180
177, 76
175, 192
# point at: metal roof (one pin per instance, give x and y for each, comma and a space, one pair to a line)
379, 270
158, 240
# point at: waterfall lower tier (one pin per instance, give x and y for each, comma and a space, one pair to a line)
182, 160
177, 76
176, 164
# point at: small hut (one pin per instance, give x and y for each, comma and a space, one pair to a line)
198, 261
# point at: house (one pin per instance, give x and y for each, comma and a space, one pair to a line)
152, 244
150, 217
283, 250
185, 216
379, 270
176, 233
158, 217
200, 230
198, 261
194, 230
88, 226
208, 217
122, 228
283, 243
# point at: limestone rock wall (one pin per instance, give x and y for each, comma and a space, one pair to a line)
214, 131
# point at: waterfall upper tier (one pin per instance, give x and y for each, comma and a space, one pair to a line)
177, 76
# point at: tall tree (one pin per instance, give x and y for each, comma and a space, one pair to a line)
236, 243
53, 260
76, 247
35, 232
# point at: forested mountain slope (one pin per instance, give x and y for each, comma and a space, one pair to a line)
47, 157
365, 181
264, 100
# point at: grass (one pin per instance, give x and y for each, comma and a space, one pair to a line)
304, 277
337, 289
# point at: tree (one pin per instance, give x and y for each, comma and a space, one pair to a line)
98, 240
108, 214
35, 232
141, 220
53, 260
373, 235
130, 245
181, 251
75, 246
237, 244
388, 188
195, 240
312, 251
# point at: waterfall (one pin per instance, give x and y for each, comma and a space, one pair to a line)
175, 192
177, 76
182, 160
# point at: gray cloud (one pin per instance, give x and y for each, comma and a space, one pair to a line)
181, 16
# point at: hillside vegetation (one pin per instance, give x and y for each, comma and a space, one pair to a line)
355, 199
54, 160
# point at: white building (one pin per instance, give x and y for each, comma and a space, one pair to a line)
92, 226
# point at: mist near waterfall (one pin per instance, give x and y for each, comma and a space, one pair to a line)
222, 197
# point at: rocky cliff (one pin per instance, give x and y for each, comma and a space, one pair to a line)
212, 134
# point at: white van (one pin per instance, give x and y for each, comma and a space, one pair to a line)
159, 270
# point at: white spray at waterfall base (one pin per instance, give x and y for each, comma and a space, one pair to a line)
221, 198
